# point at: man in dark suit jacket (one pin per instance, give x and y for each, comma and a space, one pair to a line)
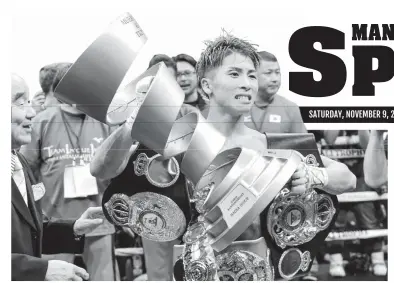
33, 233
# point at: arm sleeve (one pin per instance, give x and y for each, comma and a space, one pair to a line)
59, 237
28, 268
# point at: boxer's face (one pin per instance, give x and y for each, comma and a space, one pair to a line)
269, 79
186, 77
233, 85
21, 113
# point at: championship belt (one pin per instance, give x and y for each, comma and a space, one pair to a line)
155, 205
155, 117
295, 225
155, 126
153, 216
92, 85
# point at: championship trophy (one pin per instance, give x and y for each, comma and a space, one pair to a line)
230, 188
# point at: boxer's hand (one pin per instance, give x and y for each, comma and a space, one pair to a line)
299, 179
59, 270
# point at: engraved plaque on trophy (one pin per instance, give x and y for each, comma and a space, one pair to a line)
249, 181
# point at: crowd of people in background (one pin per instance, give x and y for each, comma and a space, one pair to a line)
64, 141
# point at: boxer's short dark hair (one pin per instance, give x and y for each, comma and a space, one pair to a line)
218, 49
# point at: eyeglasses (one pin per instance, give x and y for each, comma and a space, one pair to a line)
187, 74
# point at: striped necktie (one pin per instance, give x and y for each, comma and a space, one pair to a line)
18, 175
13, 162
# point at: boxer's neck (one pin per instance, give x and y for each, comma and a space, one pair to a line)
226, 123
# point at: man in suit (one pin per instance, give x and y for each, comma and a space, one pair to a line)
32, 232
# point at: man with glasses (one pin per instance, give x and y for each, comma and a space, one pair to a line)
187, 80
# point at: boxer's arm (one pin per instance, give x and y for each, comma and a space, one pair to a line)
340, 178
375, 161
111, 158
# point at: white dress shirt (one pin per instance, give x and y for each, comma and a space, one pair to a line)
19, 177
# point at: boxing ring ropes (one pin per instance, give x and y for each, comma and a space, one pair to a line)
341, 154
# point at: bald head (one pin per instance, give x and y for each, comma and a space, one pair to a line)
19, 88
21, 112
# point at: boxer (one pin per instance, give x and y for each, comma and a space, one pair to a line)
227, 74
